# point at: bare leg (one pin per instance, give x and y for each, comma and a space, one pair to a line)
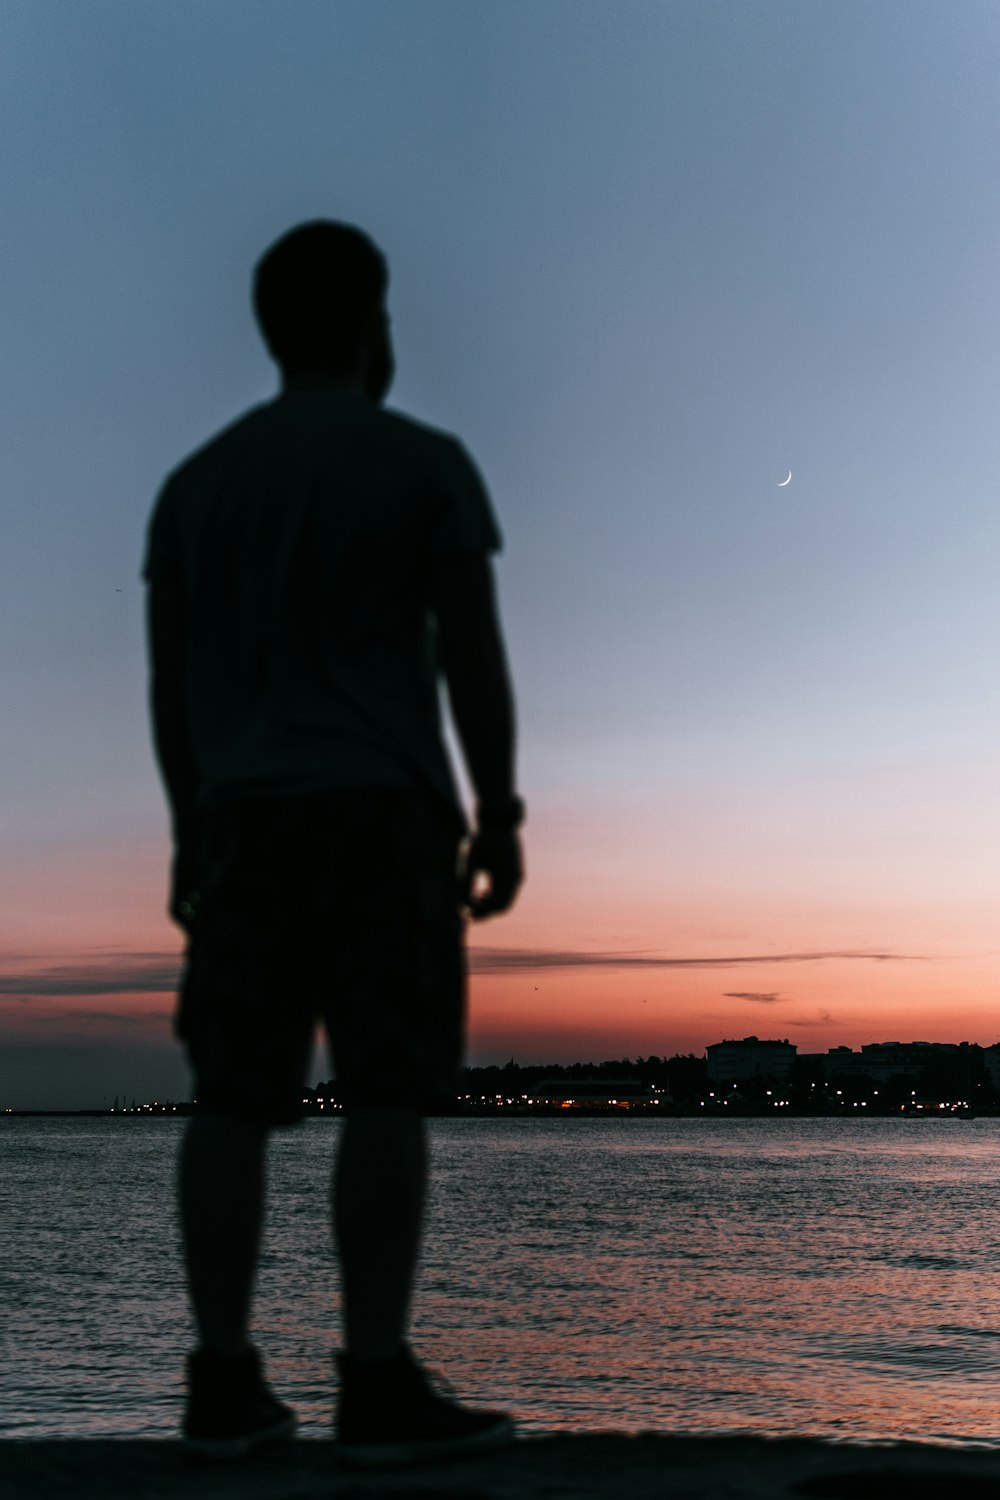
222, 1209
378, 1200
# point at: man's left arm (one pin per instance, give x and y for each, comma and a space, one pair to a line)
166, 631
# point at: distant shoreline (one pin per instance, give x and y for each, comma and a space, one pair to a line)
550, 1112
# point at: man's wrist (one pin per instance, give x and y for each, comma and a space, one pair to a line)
504, 814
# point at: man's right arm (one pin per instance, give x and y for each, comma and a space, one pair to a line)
474, 661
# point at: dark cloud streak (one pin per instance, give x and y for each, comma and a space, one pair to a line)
128, 974
772, 998
159, 973
504, 960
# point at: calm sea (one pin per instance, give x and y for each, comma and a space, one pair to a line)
775, 1276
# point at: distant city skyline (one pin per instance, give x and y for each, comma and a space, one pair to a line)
321, 1075
644, 263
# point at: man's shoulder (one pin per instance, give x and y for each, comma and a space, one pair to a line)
262, 425
434, 452
239, 433
420, 436
297, 439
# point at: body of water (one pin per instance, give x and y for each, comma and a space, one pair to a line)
823, 1277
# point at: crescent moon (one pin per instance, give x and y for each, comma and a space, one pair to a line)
783, 482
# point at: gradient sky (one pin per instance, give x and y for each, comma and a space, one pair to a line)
646, 258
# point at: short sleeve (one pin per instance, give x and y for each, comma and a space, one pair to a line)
466, 522
163, 552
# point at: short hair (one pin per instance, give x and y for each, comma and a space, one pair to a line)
315, 290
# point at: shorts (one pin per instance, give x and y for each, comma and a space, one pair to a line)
335, 907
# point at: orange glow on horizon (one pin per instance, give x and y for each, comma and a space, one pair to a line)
709, 908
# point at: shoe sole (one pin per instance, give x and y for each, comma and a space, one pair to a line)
237, 1447
426, 1450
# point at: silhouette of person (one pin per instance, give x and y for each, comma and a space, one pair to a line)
314, 571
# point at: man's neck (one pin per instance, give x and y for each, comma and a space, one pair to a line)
322, 380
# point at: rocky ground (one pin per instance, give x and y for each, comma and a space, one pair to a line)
576, 1466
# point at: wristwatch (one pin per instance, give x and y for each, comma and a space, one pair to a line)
505, 815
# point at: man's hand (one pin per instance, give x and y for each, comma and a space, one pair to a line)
494, 869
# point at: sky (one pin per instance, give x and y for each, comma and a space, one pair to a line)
646, 259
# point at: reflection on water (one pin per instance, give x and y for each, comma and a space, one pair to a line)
822, 1277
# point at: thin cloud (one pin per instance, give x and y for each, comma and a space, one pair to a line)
772, 998
824, 1018
504, 960
126, 974
159, 973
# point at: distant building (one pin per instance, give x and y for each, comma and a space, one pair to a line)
991, 1057
750, 1061
881, 1061
877, 1061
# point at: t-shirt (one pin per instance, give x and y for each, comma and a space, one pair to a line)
302, 538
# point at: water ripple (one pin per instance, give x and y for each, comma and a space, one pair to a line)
825, 1278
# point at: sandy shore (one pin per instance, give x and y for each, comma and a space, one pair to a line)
575, 1466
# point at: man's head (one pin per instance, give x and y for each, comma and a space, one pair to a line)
319, 296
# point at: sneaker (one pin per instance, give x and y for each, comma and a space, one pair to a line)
389, 1414
230, 1409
